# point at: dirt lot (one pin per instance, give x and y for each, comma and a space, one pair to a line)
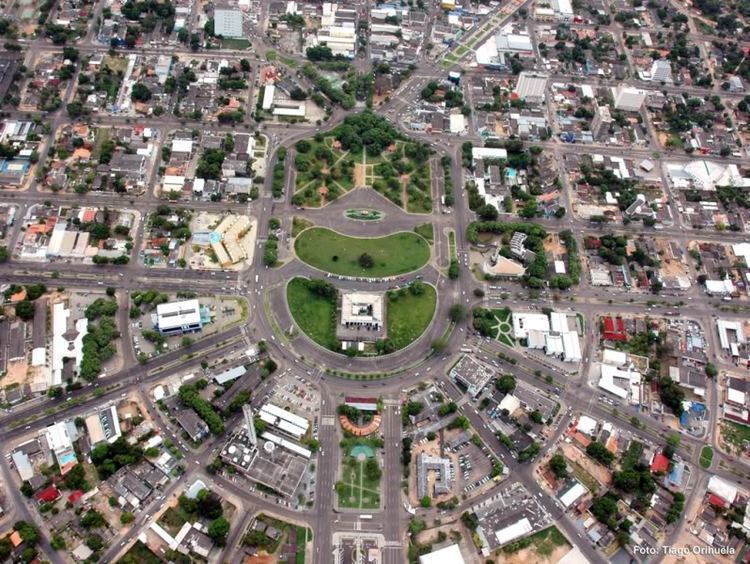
553, 246
601, 474
360, 171
531, 555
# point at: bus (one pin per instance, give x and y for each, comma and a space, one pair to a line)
365, 517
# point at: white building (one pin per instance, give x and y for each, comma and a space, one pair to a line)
627, 98
362, 309
62, 347
496, 52
178, 317
706, 175
619, 378
563, 9
447, 555
661, 71
228, 23
531, 87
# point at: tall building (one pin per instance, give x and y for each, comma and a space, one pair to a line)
602, 120
627, 98
228, 23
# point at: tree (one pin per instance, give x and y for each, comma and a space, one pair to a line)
454, 270
457, 313
536, 417
140, 93
4, 255
487, 212
25, 310
506, 383
426, 502
366, 261
711, 370
57, 542
126, 517
599, 452
218, 530
558, 466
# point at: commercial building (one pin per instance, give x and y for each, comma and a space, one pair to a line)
706, 175
531, 87
731, 333
627, 98
497, 51
284, 421
442, 469
103, 426
471, 374
660, 72
571, 493
620, 379
228, 23
178, 317
447, 555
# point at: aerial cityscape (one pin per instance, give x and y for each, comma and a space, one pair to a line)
360, 282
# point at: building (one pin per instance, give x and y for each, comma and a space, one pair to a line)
571, 493
525, 322
67, 345
442, 469
175, 318
228, 23
471, 374
362, 404
496, 52
284, 421
661, 72
103, 426
620, 378
602, 120
563, 9
628, 99
60, 437
362, 316
531, 87
193, 425
706, 175
731, 333
229, 239
447, 555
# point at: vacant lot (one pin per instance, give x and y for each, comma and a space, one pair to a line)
339, 254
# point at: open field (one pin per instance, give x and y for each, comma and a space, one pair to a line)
314, 314
409, 315
339, 254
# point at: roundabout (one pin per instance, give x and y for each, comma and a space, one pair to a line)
375, 257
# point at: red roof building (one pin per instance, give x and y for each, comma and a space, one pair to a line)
48, 495
715, 500
614, 329
75, 496
660, 463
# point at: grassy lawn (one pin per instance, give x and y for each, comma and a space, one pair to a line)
408, 315
302, 538
299, 225
583, 476
139, 552
271, 55
545, 542
452, 245
315, 315
235, 44
339, 254
426, 231
707, 456
173, 519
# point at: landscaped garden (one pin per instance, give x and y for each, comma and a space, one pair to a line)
367, 151
359, 486
352, 256
364, 215
494, 323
